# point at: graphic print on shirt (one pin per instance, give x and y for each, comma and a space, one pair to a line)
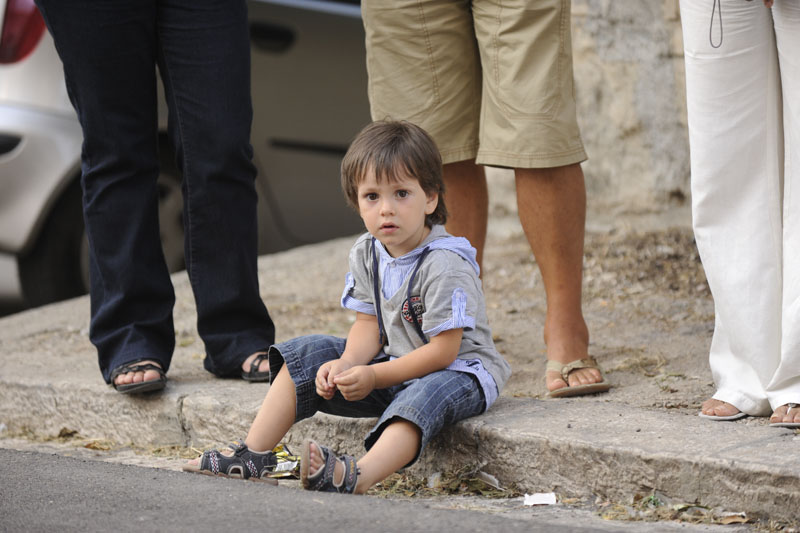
418, 310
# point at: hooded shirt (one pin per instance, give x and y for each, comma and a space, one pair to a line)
437, 283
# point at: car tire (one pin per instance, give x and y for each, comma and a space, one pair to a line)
51, 271
57, 267
170, 217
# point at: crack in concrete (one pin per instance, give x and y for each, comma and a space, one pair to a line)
182, 419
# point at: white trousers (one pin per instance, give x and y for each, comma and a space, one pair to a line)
743, 101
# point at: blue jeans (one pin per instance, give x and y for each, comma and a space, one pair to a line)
431, 402
110, 49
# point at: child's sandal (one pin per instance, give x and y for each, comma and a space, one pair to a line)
244, 464
323, 480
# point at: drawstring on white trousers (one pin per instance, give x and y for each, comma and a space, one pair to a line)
716, 8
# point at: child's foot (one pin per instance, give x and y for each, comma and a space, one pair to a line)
256, 367
227, 452
719, 410
321, 470
238, 461
787, 416
316, 461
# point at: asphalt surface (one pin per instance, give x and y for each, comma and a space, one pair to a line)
53, 493
90, 494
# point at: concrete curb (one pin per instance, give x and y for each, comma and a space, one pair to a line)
575, 447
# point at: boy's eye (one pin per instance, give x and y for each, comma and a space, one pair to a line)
371, 196
402, 194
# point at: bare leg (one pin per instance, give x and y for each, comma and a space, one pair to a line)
276, 415
395, 448
274, 418
467, 198
552, 210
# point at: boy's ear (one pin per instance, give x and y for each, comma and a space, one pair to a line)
433, 202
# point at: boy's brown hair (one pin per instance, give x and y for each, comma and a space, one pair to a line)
392, 149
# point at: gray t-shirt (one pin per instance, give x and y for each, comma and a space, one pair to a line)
445, 293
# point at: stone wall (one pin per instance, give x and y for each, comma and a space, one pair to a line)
629, 84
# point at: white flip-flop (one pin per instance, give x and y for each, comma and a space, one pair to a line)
789, 407
737, 416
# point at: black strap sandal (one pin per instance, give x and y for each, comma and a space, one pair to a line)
323, 480
151, 385
253, 374
243, 464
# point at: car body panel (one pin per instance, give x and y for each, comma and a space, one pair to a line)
49, 93
306, 117
35, 172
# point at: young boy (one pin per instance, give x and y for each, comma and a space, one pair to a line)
419, 355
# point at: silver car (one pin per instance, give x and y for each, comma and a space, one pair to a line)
309, 92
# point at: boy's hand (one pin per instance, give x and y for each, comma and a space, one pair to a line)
356, 382
325, 375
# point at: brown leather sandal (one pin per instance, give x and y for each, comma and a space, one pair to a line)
577, 390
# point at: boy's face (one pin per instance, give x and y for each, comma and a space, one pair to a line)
394, 211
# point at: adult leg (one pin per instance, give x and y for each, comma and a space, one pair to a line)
784, 388
552, 210
109, 50
204, 60
737, 167
529, 123
424, 67
467, 200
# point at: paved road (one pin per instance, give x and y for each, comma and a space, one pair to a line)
59, 491
41, 492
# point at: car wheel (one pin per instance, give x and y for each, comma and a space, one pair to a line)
170, 219
51, 271
58, 266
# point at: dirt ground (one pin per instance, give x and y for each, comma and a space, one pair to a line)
648, 308
645, 297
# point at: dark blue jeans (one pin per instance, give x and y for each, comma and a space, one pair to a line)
110, 50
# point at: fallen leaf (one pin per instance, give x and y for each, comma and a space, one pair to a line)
734, 518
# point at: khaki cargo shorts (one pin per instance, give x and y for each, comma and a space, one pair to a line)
487, 79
